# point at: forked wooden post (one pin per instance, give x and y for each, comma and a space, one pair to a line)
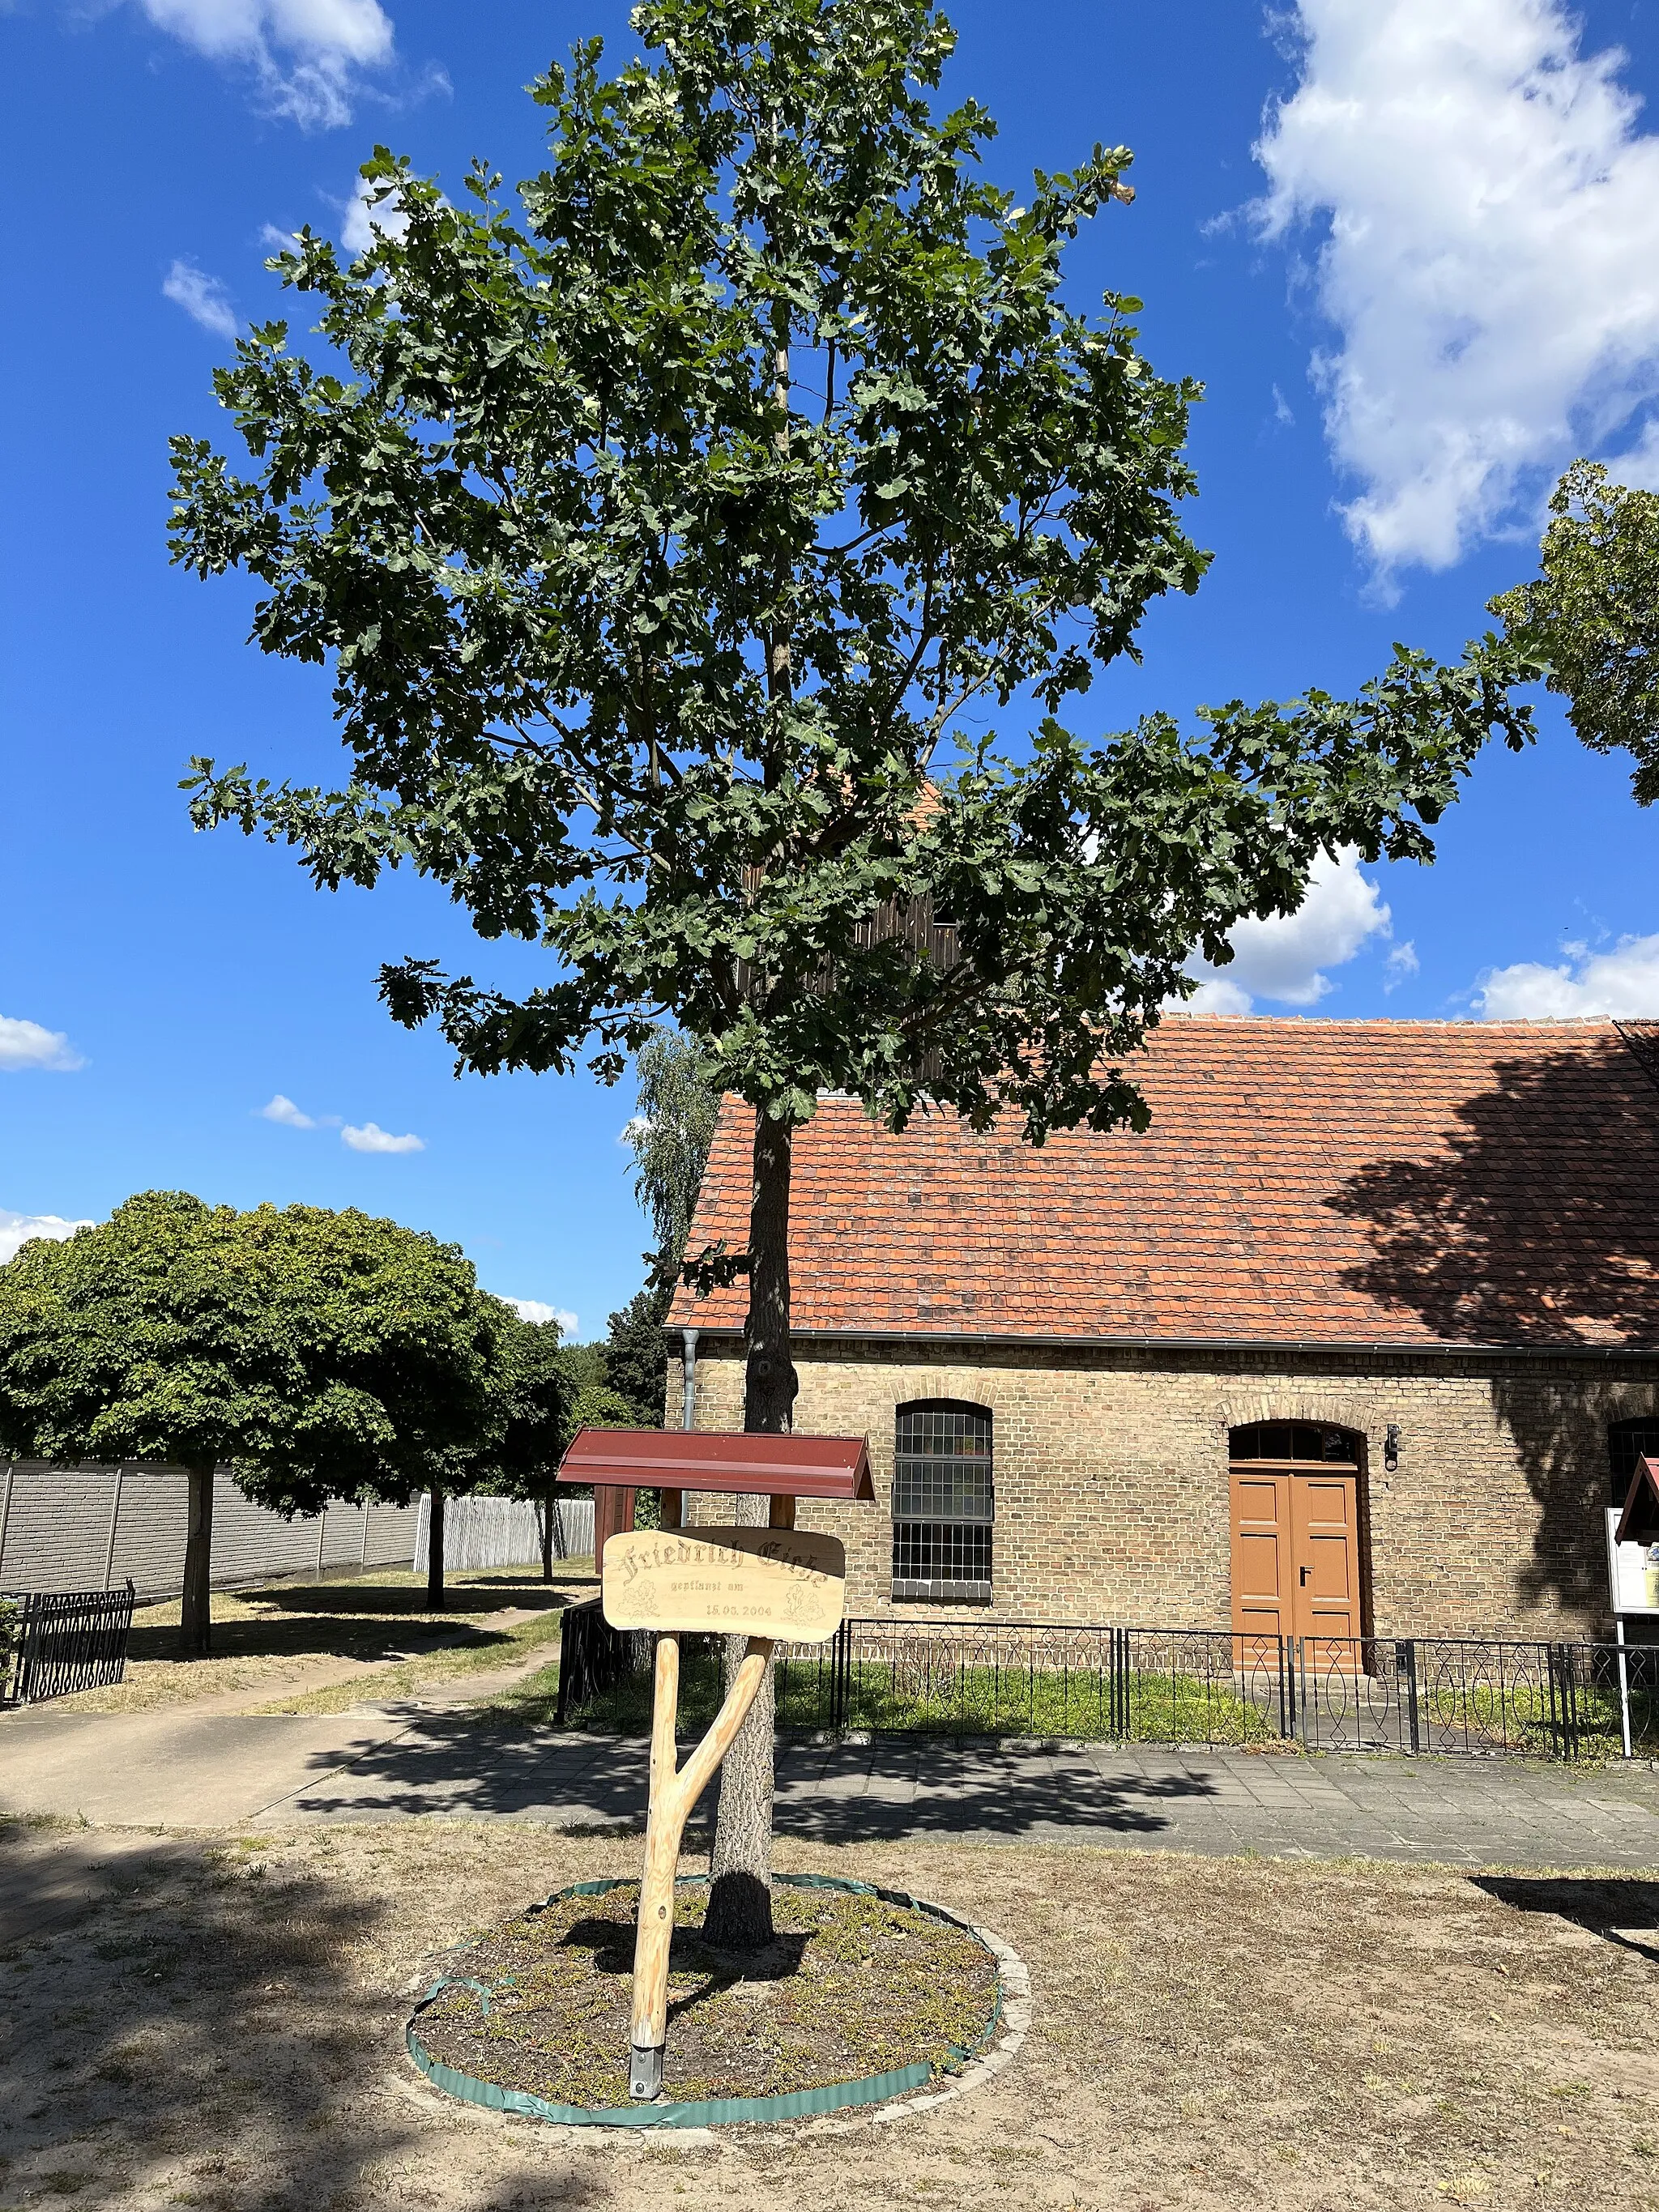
774, 1584
673, 1794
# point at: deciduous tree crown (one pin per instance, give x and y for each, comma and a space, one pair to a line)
668, 538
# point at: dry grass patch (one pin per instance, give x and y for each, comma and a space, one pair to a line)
377, 1621
853, 1987
1208, 2034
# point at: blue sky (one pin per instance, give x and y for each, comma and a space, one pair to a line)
1408, 246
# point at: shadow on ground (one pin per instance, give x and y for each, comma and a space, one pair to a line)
458, 1765
150, 2051
491, 1593
1621, 1910
357, 1621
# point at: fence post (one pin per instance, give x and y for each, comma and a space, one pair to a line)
1409, 1648
1302, 1691
567, 1619
1562, 1667
841, 1670
29, 1638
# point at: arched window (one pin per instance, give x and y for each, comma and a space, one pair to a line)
943, 1502
1298, 1442
1627, 1441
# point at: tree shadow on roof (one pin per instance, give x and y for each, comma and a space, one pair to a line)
1534, 1228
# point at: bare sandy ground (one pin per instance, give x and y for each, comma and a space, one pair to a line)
221, 2026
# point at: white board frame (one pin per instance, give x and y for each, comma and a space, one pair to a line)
1626, 1573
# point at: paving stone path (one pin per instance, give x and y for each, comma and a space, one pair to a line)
210, 1771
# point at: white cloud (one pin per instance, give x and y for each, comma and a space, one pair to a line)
26, 1044
371, 1138
1401, 962
1619, 985
305, 54
17, 1229
1284, 958
533, 1310
285, 1111
362, 222
1491, 263
203, 298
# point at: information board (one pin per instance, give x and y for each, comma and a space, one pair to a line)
1632, 1573
787, 1584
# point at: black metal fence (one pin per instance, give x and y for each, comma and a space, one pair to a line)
55, 1642
1202, 1687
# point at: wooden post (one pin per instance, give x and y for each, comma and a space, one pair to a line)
672, 1797
613, 1515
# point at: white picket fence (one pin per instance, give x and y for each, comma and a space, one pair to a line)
503, 1532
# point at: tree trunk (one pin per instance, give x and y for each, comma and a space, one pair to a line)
739, 1915
434, 1552
194, 1616
548, 1507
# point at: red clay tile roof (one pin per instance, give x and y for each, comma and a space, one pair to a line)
1376, 1182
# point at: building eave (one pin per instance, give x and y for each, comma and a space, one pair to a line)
1300, 1348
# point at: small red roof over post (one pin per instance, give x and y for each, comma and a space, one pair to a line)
1639, 1522
707, 1459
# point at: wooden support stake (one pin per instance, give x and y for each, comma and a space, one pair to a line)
672, 1798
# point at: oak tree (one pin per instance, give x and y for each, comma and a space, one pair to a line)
1591, 615
678, 532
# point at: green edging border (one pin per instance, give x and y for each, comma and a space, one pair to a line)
714, 2112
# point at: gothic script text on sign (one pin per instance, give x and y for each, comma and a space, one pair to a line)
787, 1584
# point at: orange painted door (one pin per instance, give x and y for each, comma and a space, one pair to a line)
1263, 1577
1325, 1548
1295, 1559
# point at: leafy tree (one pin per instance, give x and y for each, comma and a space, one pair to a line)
1592, 615
671, 541
599, 1406
321, 1355
636, 1355
521, 1457
670, 1133
581, 1367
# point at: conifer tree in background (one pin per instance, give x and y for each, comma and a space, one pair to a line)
677, 538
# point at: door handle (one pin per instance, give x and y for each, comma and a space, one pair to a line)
1306, 1571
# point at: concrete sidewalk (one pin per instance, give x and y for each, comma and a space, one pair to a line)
175, 1769
277, 1771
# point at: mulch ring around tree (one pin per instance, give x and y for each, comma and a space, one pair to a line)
858, 1983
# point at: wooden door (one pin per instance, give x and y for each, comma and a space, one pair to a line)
1325, 1548
1262, 1574
1296, 1558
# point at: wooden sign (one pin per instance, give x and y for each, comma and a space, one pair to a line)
785, 1583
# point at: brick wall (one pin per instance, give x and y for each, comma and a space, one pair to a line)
1111, 1476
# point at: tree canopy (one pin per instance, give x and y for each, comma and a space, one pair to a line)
1591, 615
668, 537
670, 1133
325, 1355
677, 538
322, 1355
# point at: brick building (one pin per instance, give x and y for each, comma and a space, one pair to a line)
1363, 1334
